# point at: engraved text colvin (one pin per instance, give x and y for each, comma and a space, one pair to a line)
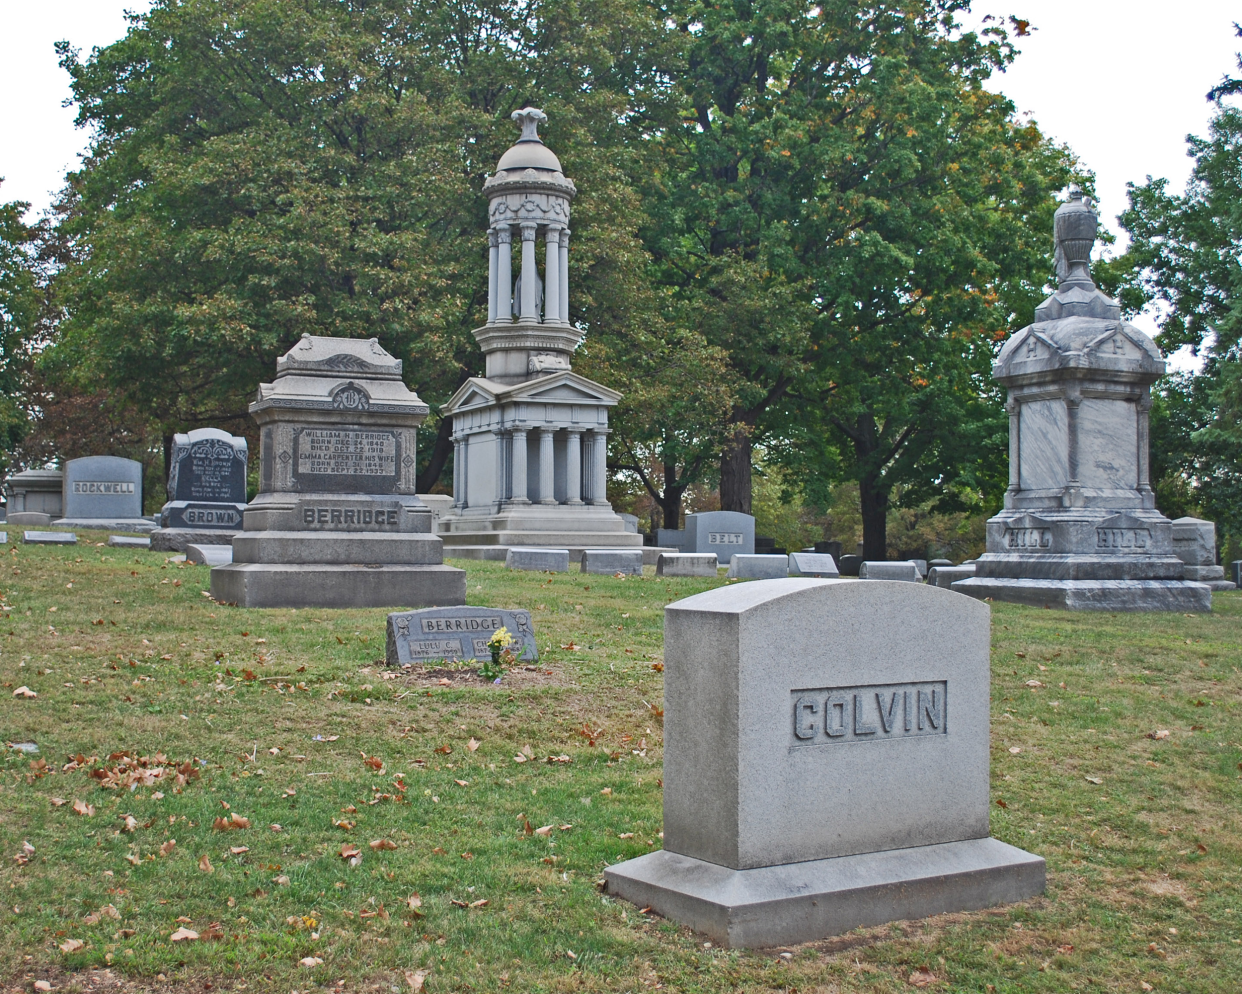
869, 713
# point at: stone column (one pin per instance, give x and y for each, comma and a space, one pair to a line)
529, 301
517, 467
1073, 398
502, 477
573, 465
564, 283
504, 273
1014, 409
493, 255
599, 467
1143, 405
547, 467
552, 276
461, 464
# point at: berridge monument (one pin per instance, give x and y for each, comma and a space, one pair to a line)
530, 437
1080, 528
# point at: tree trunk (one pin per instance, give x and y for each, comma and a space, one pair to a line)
441, 448
874, 507
735, 473
670, 497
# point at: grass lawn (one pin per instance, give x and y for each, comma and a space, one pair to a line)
287, 722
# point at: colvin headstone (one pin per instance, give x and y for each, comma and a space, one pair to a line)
456, 633
207, 481
825, 763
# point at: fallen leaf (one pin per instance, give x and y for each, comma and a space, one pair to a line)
1065, 950
444, 750
545, 831
183, 934
626, 835
458, 904
414, 902
519, 758
1001, 804
379, 844
1033, 683
133, 858
343, 823
416, 979
311, 961
923, 977
658, 667
606, 791
58, 802
479, 904
24, 692
281, 881
349, 851
183, 920
462, 783
473, 744
109, 911
204, 864
1146, 986
129, 823
42, 985
238, 850
375, 762
1015, 749
1095, 780
1202, 848
82, 808
72, 945
1160, 733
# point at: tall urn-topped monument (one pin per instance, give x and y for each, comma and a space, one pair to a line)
337, 522
531, 436
1080, 528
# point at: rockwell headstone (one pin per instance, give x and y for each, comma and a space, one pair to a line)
104, 492
825, 763
207, 481
337, 522
456, 633
1080, 528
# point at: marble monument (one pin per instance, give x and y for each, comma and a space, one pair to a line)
104, 492
207, 484
530, 437
336, 521
1080, 529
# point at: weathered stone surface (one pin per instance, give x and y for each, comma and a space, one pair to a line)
608, 562
946, 576
34, 519
1092, 595
178, 539
631, 522
129, 542
754, 766
812, 564
825, 763
687, 564
1205, 574
104, 492
758, 567
782, 905
208, 465
1194, 542
337, 586
39, 491
208, 555
4, 538
906, 570
363, 548
456, 633
550, 560
50, 538
921, 566
850, 565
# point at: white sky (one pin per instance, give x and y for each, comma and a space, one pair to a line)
1122, 82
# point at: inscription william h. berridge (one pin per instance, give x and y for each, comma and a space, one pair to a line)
869, 713
346, 452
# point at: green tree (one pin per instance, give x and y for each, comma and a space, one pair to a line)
21, 310
261, 169
1186, 252
855, 220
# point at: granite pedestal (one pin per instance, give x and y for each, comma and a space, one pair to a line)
825, 763
337, 522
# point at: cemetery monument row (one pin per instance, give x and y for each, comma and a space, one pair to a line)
103, 492
530, 437
825, 763
207, 484
1080, 529
337, 522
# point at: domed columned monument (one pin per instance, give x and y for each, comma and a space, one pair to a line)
531, 436
1080, 529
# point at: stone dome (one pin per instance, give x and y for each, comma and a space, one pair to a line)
529, 152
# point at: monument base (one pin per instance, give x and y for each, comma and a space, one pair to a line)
143, 525
337, 585
176, 539
34, 519
801, 902
1092, 595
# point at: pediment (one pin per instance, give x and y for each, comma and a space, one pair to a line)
472, 393
564, 388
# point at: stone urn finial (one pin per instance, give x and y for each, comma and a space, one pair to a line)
529, 118
1075, 225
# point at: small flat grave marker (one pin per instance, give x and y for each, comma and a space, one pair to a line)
455, 633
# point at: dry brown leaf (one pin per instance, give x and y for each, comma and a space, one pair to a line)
379, 844
1160, 733
922, 977
414, 902
1095, 780
72, 945
473, 744
24, 692
168, 847
133, 858
479, 904
183, 920
311, 961
58, 802
375, 762
82, 808
545, 831
183, 934
130, 823
343, 823
416, 979
109, 911
281, 881
204, 864
238, 850
42, 986
349, 851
